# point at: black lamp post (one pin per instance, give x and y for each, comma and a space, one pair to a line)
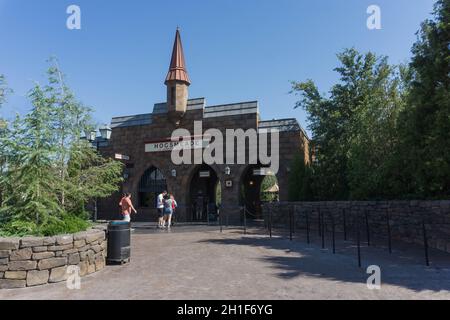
91, 136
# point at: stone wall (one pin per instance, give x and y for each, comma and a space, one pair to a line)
33, 261
405, 220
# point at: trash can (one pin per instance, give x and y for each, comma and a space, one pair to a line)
119, 240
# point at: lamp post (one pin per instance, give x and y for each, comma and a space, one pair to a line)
91, 136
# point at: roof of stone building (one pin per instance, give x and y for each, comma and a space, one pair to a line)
283, 125
226, 110
177, 70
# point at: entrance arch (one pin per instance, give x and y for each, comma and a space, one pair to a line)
152, 184
204, 194
257, 185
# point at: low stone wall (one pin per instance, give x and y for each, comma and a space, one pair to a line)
405, 220
33, 261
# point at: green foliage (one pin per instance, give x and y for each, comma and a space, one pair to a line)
300, 180
267, 183
48, 174
383, 131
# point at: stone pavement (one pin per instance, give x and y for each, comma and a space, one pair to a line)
198, 262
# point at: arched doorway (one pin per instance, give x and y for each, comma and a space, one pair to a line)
204, 194
258, 185
152, 184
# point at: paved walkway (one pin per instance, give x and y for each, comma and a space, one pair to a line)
198, 262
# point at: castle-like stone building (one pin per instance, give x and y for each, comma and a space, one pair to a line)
142, 142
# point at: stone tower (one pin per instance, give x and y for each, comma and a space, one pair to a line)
177, 82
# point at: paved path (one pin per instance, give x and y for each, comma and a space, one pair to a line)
201, 263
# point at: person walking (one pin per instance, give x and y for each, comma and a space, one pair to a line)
127, 207
168, 211
160, 207
174, 210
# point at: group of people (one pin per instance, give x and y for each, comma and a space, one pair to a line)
165, 203
167, 206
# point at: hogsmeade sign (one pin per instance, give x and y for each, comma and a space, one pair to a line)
236, 146
187, 143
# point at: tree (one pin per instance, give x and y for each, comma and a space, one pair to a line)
50, 173
425, 125
354, 127
300, 181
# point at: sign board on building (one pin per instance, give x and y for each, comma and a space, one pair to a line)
166, 146
121, 157
205, 174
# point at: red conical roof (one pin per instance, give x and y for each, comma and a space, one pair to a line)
177, 71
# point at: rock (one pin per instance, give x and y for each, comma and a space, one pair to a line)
49, 241
83, 256
83, 249
1, 275
97, 248
40, 249
80, 236
51, 263
9, 243
4, 261
22, 265
4, 267
58, 274
74, 258
12, 284
4, 253
79, 243
91, 268
70, 251
63, 240
60, 248
16, 275
99, 263
31, 242
83, 268
91, 256
22, 254
43, 255
36, 278
97, 235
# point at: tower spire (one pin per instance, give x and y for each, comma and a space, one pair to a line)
177, 70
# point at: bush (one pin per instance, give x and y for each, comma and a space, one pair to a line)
55, 226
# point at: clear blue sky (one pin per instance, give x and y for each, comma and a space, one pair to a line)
235, 50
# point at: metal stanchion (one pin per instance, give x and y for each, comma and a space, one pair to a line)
425, 242
367, 227
307, 227
270, 222
323, 230
245, 220
333, 230
389, 232
319, 221
290, 223
358, 240
345, 223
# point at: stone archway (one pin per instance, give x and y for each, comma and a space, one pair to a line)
251, 193
202, 196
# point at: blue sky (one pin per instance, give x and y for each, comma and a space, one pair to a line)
235, 50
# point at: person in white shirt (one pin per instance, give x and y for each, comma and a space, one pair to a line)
160, 207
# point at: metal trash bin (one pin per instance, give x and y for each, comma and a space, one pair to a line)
119, 241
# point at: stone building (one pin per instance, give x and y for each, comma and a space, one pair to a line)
144, 141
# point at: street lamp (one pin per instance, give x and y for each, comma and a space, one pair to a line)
105, 132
